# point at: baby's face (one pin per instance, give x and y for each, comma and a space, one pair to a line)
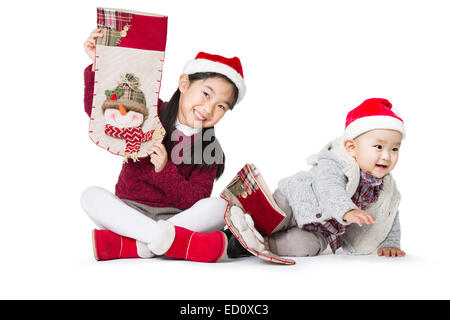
376, 151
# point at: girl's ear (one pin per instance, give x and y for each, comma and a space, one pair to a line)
183, 83
350, 146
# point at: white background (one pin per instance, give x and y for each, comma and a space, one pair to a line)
306, 64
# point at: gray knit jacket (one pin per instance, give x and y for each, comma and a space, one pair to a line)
325, 191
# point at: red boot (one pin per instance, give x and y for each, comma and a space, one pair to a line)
180, 243
109, 245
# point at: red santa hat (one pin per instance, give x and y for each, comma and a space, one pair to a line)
229, 67
375, 113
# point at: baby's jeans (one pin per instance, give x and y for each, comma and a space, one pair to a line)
289, 240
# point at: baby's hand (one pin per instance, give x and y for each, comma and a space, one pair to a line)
89, 44
359, 217
391, 252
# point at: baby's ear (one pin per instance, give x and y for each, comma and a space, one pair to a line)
350, 146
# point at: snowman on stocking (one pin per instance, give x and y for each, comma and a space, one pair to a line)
125, 111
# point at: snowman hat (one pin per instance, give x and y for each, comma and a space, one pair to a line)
229, 67
375, 113
127, 94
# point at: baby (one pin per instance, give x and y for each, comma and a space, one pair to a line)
348, 199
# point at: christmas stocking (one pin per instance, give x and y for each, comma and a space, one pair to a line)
252, 212
128, 69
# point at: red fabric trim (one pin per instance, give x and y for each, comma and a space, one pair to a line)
147, 33
266, 218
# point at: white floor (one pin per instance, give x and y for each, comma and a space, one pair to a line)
63, 267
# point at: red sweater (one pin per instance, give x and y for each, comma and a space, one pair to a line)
177, 186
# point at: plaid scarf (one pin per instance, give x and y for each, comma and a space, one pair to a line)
133, 137
368, 191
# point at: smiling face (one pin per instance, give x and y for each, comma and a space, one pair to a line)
123, 119
376, 151
204, 102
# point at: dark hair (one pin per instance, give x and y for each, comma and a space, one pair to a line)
168, 119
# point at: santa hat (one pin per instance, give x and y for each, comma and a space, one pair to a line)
229, 67
375, 113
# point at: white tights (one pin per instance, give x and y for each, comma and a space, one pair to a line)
111, 213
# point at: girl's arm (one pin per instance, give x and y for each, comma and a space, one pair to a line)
89, 48
89, 78
186, 192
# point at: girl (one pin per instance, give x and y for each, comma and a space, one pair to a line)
161, 203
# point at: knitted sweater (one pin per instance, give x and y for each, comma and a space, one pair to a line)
325, 192
176, 186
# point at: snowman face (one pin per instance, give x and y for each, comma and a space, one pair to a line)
130, 119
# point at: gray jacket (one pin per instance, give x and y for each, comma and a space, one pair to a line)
325, 191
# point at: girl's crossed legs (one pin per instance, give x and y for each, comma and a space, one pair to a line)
111, 213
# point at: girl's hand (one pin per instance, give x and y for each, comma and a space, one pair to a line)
159, 156
391, 252
89, 44
359, 217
